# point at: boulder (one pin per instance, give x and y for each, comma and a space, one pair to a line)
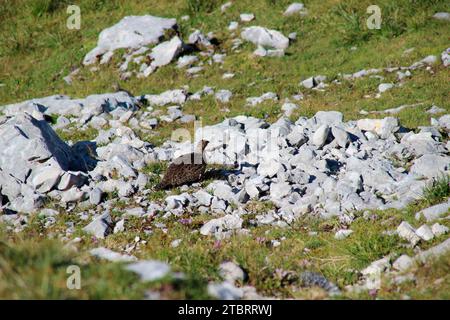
265, 37
132, 32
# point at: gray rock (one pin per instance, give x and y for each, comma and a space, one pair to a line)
225, 291
165, 52
434, 252
265, 37
341, 136
134, 212
203, 198
445, 57
247, 17
100, 227
309, 83
435, 212
435, 110
407, 232
313, 279
438, 229
425, 232
219, 225
107, 254
385, 87
383, 127
231, 272
331, 118
194, 70
187, 118
186, 61
224, 96
269, 167
150, 270
422, 143
321, 135
95, 196
430, 166
288, 108
342, 234
225, 6
253, 101
279, 190
130, 32
444, 122
294, 8
442, 16
120, 226
296, 138
403, 263
167, 97
233, 25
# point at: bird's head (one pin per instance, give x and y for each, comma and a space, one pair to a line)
203, 144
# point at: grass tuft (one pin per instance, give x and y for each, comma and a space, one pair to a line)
437, 190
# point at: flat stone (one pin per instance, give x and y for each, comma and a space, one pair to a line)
203, 198
100, 227
309, 83
269, 168
438, 229
224, 291
403, 263
265, 37
233, 25
186, 61
107, 254
150, 270
227, 222
294, 8
321, 135
434, 252
425, 232
342, 234
167, 97
279, 190
341, 136
95, 196
231, 272
385, 87
407, 232
247, 17
288, 108
442, 16
383, 127
130, 32
223, 96
331, 118
434, 212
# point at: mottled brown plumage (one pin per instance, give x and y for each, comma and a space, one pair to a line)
186, 169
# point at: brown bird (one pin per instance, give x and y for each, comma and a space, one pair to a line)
186, 169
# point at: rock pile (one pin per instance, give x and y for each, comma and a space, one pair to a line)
35, 161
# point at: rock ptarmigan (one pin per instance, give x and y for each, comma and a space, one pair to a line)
186, 169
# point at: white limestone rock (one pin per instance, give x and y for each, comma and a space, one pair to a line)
265, 37
131, 32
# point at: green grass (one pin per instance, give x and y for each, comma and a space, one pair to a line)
438, 190
30, 257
